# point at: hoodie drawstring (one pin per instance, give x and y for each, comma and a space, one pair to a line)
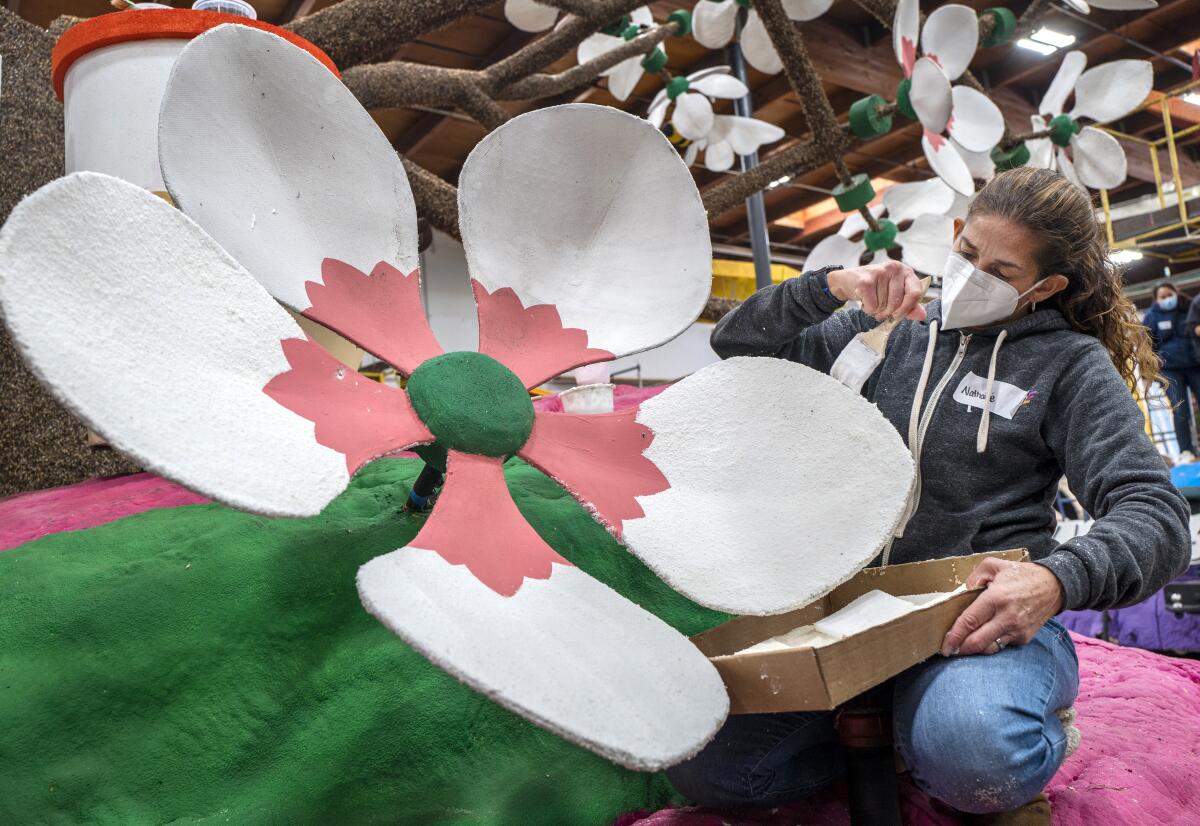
914, 416
981, 438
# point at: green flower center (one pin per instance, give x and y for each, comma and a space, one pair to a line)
472, 403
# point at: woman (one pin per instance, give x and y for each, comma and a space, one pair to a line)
1034, 319
1170, 334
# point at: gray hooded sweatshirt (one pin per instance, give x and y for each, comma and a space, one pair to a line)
986, 480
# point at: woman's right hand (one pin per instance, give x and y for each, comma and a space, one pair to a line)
886, 290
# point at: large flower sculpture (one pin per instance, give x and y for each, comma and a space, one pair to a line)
1102, 94
732, 485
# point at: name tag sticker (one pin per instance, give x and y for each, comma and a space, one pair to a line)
1165, 325
1006, 398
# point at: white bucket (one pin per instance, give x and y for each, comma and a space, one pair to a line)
111, 98
588, 398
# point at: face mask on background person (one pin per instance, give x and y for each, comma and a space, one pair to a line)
1169, 303
974, 298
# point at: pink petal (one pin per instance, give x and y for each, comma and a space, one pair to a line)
935, 140
380, 312
598, 459
357, 417
530, 341
476, 523
909, 48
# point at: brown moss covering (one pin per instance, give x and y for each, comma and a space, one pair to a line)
41, 445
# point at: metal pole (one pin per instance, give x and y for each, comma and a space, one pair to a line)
756, 212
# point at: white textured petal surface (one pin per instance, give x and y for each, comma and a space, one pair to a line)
1060, 87
718, 156
747, 134
274, 157
567, 653
1079, 5
597, 45
713, 24
945, 161
529, 16
1066, 167
1041, 150
767, 494
657, 112
834, 250
689, 154
951, 35
621, 249
977, 123
930, 95
979, 164
1125, 5
719, 85
803, 10
1112, 90
151, 333
1099, 159
624, 77
905, 32
757, 47
926, 243
904, 202
693, 116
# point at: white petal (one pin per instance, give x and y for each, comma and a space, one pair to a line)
834, 250
1080, 6
766, 491
930, 95
1041, 150
713, 24
148, 330
1125, 5
270, 153
565, 651
693, 117
905, 31
904, 202
925, 245
597, 45
979, 164
719, 86
757, 47
658, 109
976, 123
1099, 159
945, 161
748, 134
1112, 90
1069, 70
529, 16
624, 77
689, 154
539, 215
950, 36
642, 16
803, 10
854, 225
1066, 167
718, 157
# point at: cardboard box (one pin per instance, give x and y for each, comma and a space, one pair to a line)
814, 679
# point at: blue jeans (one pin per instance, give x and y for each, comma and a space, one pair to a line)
1178, 384
979, 733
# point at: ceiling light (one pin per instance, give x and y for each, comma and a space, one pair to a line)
1034, 46
1192, 98
1052, 38
1124, 256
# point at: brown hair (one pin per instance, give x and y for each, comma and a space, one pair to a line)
1061, 217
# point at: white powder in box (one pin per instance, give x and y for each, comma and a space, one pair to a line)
871, 609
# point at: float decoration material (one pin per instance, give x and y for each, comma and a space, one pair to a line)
269, 422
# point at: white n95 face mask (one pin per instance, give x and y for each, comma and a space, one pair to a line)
974, 298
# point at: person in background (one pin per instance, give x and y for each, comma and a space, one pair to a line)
1171, 327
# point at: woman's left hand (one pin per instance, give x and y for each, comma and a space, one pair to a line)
1018, 600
